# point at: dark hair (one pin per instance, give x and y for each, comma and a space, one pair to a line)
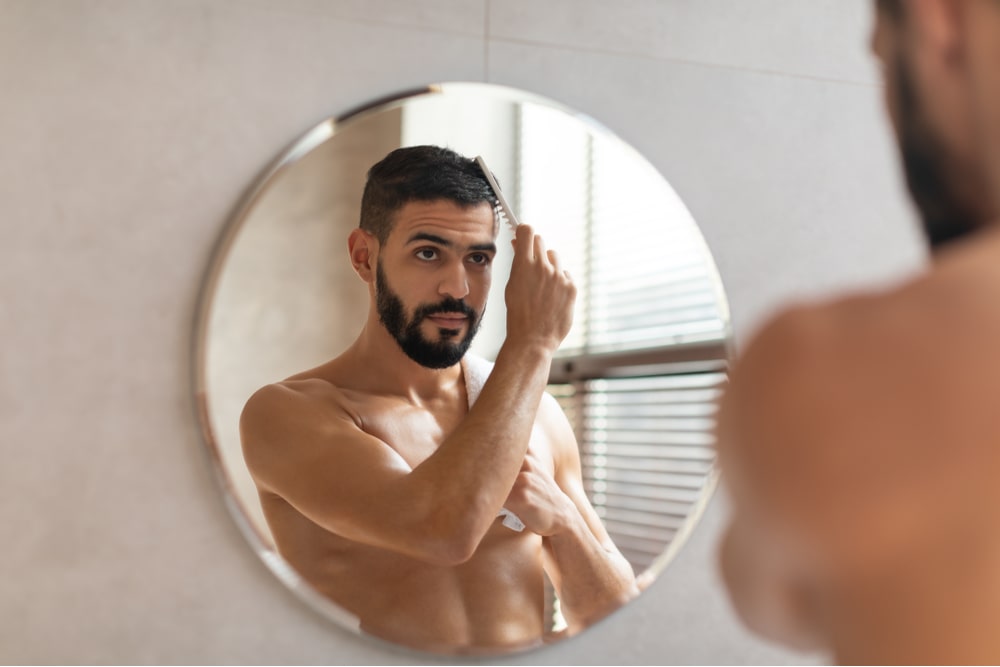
893, 8
419, 173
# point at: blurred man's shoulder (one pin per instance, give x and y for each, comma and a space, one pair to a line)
931, 329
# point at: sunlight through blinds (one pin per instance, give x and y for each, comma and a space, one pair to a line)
641, 371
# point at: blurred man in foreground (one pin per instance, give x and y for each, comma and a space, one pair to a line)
860, 439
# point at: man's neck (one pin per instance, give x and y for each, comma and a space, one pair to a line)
394, 372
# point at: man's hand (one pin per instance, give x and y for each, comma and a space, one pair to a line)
538, 501
540, 294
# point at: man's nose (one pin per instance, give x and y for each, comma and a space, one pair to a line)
455, 282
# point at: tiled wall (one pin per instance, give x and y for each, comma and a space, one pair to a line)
131, 127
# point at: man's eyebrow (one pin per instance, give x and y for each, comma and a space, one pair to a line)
440, 240
433, 238
484, 247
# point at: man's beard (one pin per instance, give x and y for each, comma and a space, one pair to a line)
946, 216
443, 353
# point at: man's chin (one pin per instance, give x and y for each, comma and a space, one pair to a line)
437, 356
440, 363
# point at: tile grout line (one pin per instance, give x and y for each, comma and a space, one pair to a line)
690, 63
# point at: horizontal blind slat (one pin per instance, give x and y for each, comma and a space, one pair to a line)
665, 518
613, 465
668, 482
666, 502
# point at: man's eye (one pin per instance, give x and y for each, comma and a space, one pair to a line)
480, 258
427, 254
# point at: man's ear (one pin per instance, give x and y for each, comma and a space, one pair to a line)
363, 248
941, 27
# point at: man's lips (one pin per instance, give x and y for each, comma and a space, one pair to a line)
448, 320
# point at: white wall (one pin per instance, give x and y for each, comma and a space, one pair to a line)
131, 127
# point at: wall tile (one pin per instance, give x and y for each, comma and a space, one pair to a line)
466, 17
818, 38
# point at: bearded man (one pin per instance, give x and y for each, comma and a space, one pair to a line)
424, 490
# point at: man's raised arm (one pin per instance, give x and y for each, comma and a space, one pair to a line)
302, 444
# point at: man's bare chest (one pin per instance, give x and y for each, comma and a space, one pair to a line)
415, 433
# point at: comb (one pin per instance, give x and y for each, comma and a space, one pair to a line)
505, 211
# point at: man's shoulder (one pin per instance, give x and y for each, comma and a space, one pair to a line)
306, 403
290, 393
879, 327
948, 313
909, 347
326, 387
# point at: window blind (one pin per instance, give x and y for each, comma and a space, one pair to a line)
641, 371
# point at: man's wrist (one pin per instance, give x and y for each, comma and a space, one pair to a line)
569, 524
527, 350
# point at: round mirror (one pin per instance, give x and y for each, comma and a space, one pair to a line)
637, 377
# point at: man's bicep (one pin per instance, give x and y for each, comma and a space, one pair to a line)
315, 458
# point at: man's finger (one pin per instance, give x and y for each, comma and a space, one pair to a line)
554, 260
540, 251
524, 245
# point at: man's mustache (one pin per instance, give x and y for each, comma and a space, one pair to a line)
448, 305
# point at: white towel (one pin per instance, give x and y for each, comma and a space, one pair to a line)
476, 370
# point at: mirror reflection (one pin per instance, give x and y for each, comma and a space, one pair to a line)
442, 432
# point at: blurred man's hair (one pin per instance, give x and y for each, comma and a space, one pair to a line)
893, 8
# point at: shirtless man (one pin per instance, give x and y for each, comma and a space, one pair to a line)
382, 485
860, 439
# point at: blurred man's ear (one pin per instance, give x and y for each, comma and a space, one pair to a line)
938, 25
363, 248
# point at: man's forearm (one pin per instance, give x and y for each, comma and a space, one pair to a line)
471, 473
591, 581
